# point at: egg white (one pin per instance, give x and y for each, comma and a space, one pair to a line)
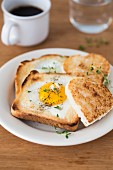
32, 98
50, 63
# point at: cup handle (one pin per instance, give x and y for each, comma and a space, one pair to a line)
9, 34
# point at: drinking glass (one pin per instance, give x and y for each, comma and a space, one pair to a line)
91, 16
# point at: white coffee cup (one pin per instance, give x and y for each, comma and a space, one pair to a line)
25, 31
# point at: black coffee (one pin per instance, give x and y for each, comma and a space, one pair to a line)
25, 11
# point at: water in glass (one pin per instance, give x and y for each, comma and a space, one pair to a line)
91, 16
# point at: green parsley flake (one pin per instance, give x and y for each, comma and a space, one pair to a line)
45, 90
98, 71
106, 81
61, 56
44, 68
96, 42
29, 91
81, 47
49, 69
56, 89
87, 73
91, 68
65, 133
52, 69
58, 107
57, 115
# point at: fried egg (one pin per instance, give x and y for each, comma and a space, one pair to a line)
49, 96
43, 99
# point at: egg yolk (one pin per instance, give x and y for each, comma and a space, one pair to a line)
52, 94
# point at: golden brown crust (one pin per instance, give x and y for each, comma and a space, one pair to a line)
94, 99
37, 118
81, 66
16, 109
27, 66
35, 76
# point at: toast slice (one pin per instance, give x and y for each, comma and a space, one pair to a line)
47, 63
90, 100
93, 66
28, 105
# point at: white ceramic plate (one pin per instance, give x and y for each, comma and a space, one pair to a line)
35, 132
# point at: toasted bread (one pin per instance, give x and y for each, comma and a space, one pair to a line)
25, 108
93, 66
39, 64
91, 100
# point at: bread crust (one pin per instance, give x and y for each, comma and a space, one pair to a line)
27, 66
35, 118
24, 113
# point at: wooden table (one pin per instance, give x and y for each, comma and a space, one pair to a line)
17, 154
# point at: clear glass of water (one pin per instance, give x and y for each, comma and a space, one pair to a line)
91, 16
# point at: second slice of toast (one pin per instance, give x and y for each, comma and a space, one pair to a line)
91, 100
52, 63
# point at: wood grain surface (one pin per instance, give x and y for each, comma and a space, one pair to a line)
17, 154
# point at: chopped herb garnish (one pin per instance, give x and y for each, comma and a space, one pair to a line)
29, 91
98, 71
45, 90
49, 69
30, 100
57, 115
102, 41
81, 47
61, 56
93, 42
87, 73
58, 107
96, 42
65, 133
54, 71
44, 68
106, 81
56, 89
91, 68
52, 68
